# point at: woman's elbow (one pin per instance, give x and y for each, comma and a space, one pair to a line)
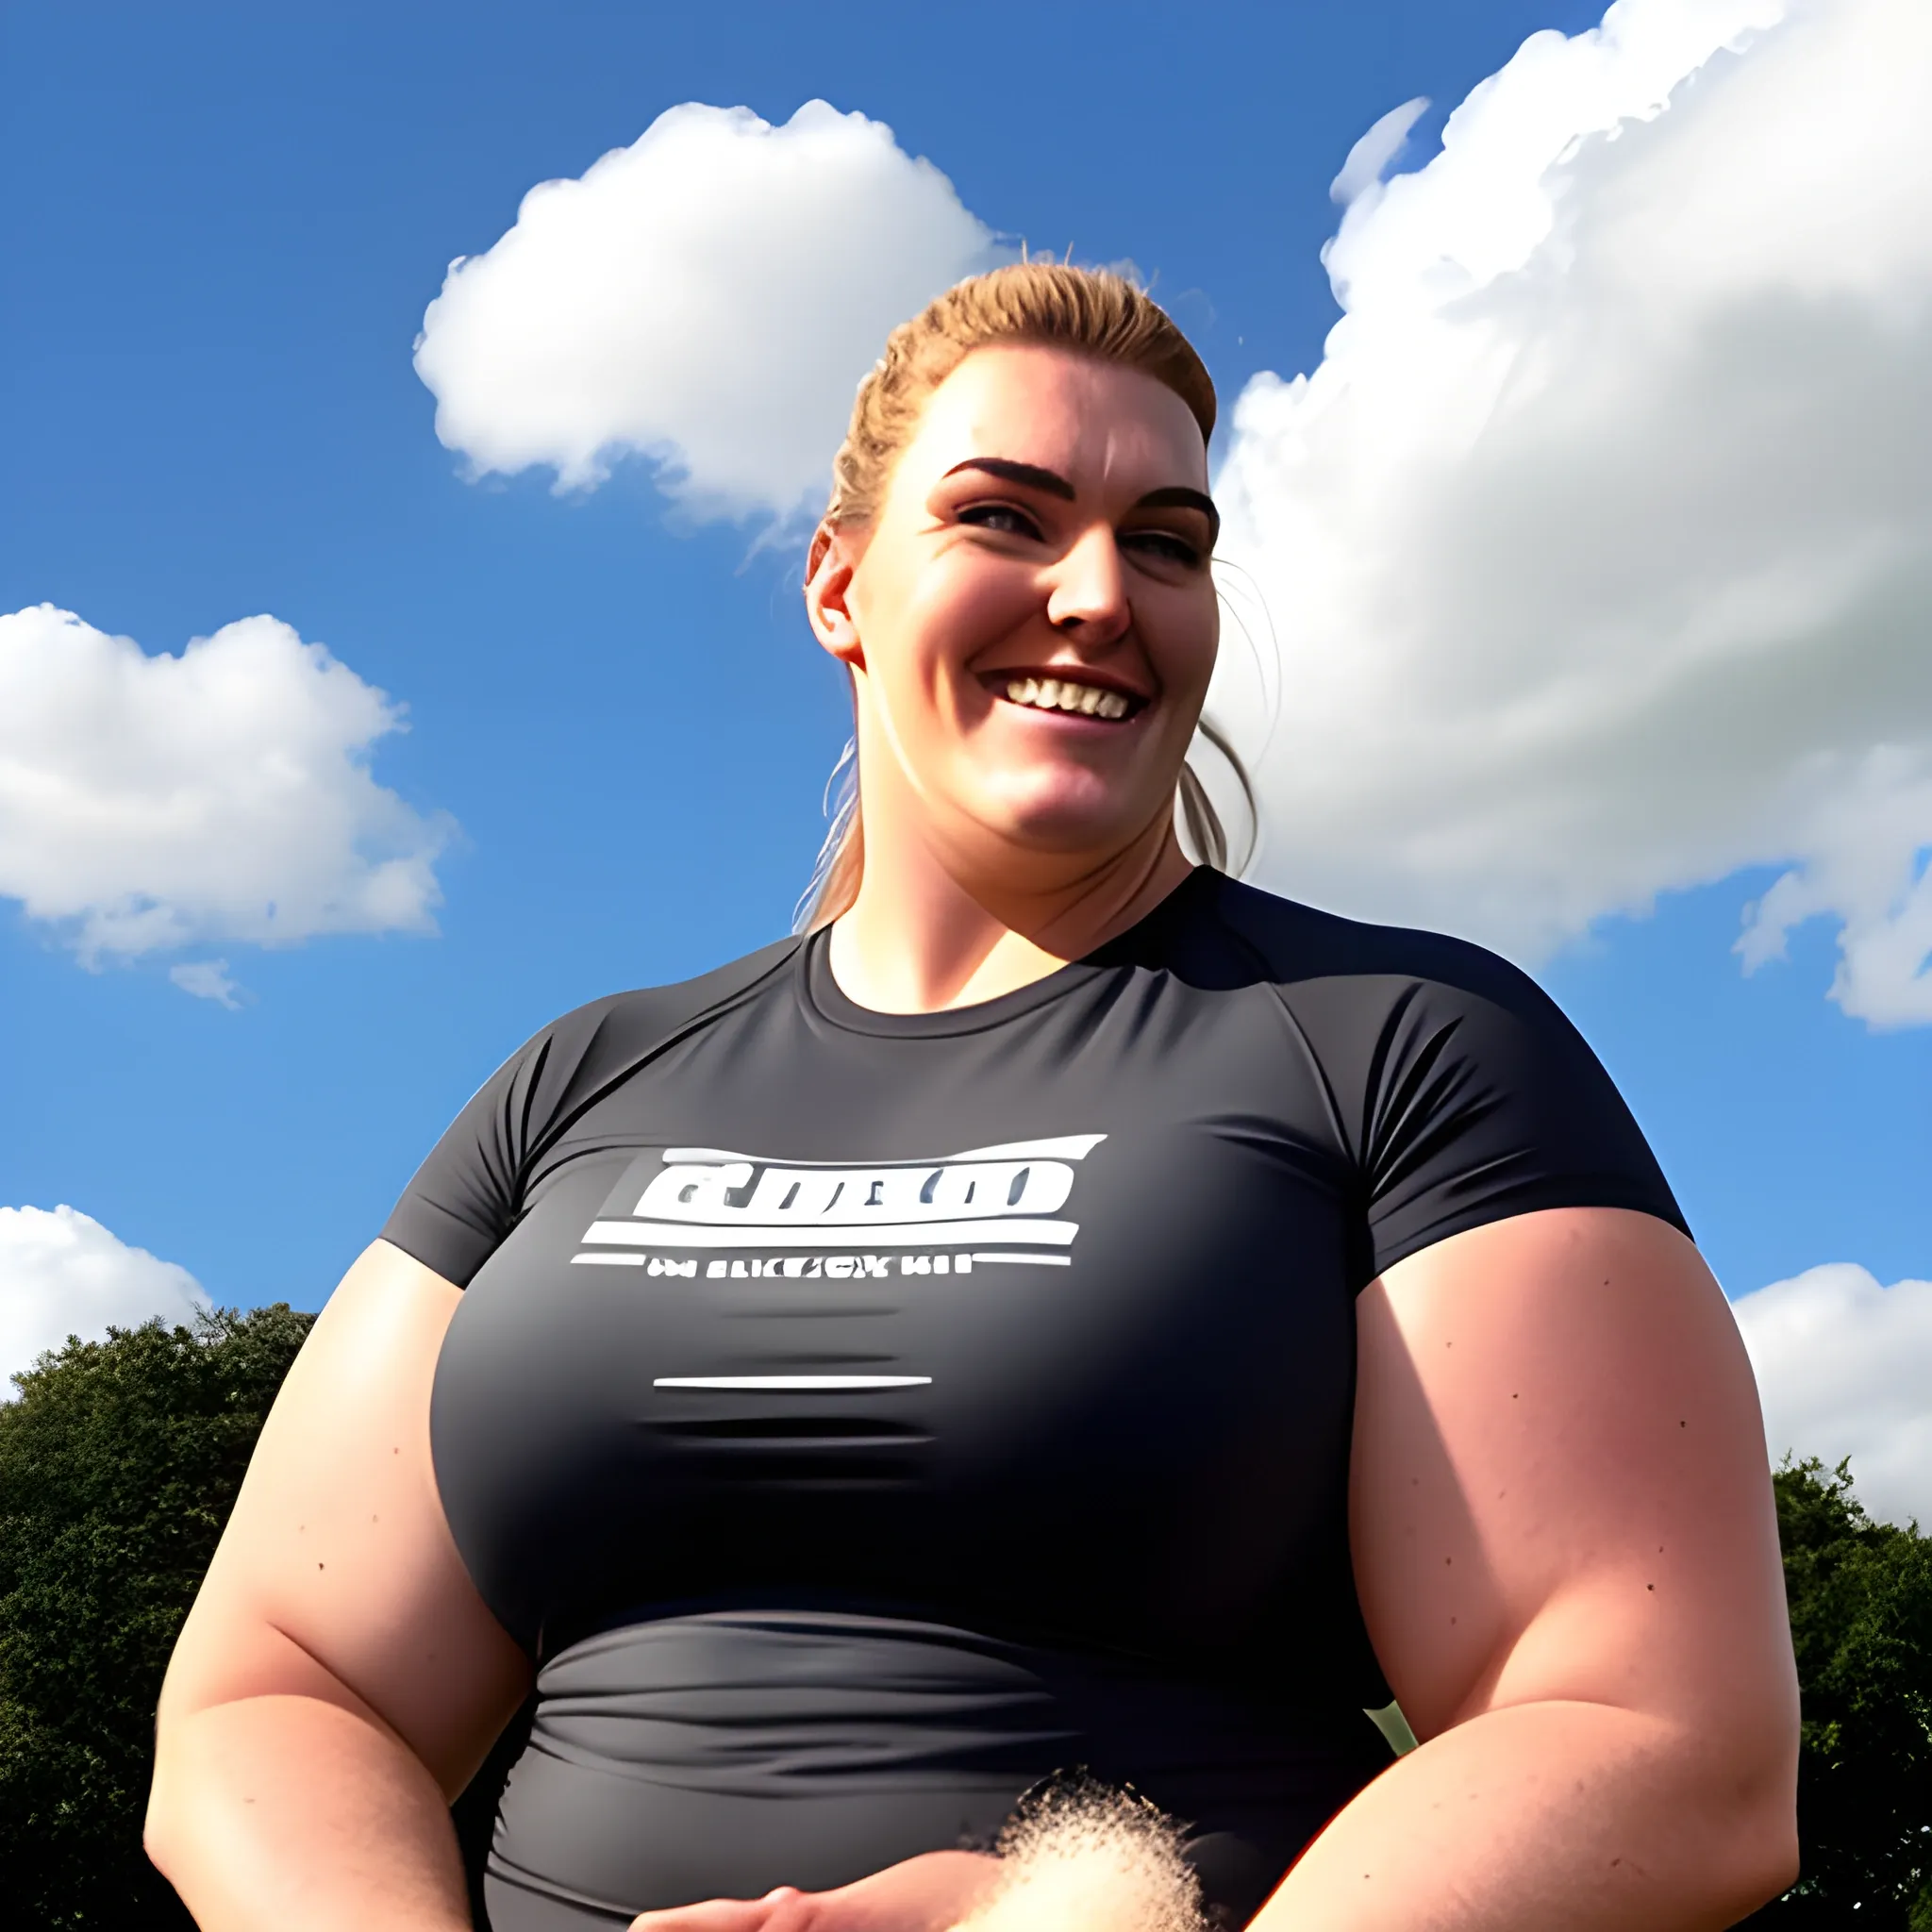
1749, 1848
1753, 1867
170, 1792
159, 1830
1764, 1860
177, 1793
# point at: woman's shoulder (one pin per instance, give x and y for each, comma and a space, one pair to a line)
1298, 944
592, 1047
1465, 1093
468, 1193
619, 1024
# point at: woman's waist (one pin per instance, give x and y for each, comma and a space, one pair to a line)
762, 1700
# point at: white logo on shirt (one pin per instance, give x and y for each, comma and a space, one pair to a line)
706, 1199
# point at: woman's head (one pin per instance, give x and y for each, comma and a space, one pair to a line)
1014, 566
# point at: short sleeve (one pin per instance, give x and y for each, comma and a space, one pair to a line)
468, 1195
1466, 1097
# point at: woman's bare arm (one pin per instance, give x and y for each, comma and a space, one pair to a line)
339, 1679
1566, 1552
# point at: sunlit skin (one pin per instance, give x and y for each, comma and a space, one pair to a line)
1048, 519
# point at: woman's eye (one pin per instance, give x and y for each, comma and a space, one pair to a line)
1002, 517
1165, 545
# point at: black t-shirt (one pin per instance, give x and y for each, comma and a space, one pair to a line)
861, 1416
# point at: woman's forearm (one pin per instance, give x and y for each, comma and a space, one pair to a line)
1582, 1816
294, 1814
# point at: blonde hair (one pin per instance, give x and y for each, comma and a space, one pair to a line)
1093, 312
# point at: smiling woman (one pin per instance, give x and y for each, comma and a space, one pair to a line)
1022, 322
1066, 1311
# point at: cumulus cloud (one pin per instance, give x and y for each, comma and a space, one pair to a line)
62, 1274
153, 803
707, 297
1843, 1367
1599, 545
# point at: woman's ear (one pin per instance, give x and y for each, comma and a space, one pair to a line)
828, 568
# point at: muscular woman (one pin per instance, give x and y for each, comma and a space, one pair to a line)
1068, 1311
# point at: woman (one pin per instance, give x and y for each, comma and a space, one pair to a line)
1069, 1310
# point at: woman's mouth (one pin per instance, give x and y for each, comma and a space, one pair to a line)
1069, 694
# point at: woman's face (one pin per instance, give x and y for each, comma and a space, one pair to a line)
1030, 621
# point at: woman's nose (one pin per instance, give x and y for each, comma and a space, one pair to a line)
1090, 591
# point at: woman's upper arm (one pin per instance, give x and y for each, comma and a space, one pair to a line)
336, 1576
1558, 1487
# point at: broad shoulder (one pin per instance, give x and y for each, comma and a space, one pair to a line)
619, 1024
1298, 944
469, 1191
1459, 1086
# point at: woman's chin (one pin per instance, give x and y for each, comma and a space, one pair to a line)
1064, 817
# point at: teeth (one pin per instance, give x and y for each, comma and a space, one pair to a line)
1063, 694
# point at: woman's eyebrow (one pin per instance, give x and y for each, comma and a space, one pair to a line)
1031, 476
1178, 496
1028, 475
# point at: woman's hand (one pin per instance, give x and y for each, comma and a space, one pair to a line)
1080, 1857
928, 1893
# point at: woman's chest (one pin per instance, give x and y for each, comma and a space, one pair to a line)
902, 1313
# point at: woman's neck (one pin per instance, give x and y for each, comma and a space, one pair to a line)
919, 939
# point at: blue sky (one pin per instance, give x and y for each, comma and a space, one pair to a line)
223, 229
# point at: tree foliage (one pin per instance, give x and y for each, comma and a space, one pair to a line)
1860, 1597
118, 1462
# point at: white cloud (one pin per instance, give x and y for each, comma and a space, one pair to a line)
708, 296
207, 979
62, 1274
1599, 546
153, 803
1844, 1368
1369, 159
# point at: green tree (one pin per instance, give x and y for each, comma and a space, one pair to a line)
118, 1462
1860, 1599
